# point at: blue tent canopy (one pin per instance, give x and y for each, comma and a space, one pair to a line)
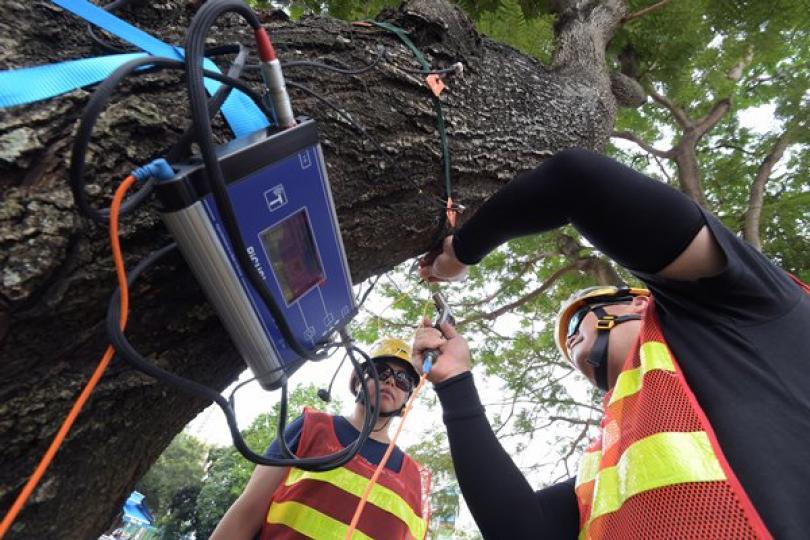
135, 510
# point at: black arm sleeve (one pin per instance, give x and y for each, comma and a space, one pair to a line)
638, 222
499, 497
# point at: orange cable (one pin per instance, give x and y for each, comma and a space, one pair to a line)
391, 445
46, 460
378, 470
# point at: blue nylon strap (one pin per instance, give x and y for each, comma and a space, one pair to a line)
26, 85
241, 113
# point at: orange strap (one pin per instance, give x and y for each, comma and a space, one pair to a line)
384, 460
45, 462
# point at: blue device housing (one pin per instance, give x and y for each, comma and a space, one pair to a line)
280, 192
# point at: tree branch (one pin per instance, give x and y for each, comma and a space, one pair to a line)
600, 269
680, 115
663, 169
515, 397
736, 147
365, 295
644, 11
490, 332
525, 267
755, 201
574, 444
577, 421
491, 316
736, 72
666, 154
706, 123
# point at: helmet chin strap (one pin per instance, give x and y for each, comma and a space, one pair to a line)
382, 427
598, 358
389, 414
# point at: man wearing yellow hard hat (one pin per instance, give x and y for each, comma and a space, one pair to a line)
706, 370
289, 503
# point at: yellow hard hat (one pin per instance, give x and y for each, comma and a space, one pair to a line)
605, 294
390, 348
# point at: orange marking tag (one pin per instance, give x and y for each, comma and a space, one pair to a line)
435, 83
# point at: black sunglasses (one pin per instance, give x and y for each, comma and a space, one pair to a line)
402, 380
576, 320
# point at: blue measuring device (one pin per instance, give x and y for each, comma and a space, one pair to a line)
280, 193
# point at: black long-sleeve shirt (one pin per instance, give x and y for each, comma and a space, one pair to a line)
741, 338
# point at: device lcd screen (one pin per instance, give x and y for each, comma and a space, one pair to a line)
292, 253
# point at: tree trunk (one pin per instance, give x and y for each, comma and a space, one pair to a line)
506, 114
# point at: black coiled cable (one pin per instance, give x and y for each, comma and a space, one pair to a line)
128, 352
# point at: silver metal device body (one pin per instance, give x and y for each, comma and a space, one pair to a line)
206, 256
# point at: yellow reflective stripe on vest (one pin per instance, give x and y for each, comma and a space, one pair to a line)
588, 467
310, 522
653, 355
381, 496
660, 460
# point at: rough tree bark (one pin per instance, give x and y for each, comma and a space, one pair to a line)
506, 114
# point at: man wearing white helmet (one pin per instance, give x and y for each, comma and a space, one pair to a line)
288, 503
706, 371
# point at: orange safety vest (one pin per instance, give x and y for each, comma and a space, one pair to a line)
320, 505
657, 470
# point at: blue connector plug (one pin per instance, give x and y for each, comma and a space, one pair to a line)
158, 168
429, 358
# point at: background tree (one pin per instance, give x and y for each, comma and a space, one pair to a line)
175, 479
445, 496
723, 59
181, 520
